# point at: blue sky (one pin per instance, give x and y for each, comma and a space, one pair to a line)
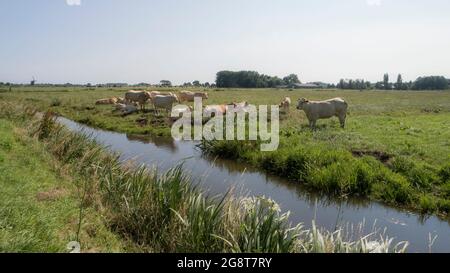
83, 41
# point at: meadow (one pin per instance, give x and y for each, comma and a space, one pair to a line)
79, 191
395, 147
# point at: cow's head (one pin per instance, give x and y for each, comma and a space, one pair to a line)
205, 96
301, 102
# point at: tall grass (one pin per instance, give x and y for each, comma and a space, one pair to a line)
166, 213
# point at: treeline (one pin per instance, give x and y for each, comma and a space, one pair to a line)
422, 83
252, 79
198, 84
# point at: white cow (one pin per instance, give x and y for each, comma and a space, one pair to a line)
216, 109
165, 101
112, 100
189, 96
153, 94
140, 97
239, 107
316, 110
286, 104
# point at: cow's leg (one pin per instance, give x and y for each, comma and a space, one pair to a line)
342, 120
312, 124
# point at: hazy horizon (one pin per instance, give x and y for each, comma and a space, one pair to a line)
99, 41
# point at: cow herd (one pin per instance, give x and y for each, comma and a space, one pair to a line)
137, 100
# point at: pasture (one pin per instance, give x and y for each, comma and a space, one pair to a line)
403, 134
410, 123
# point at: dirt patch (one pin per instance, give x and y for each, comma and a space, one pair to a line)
142, 122
381, 156
51, 195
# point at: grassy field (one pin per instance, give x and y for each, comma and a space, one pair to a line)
126, 203
39, 204
396, 147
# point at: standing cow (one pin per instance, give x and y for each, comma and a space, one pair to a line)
165, 101
316, 110
189, 96
285, 104
140, 97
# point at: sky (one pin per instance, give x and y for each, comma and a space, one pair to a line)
99, 41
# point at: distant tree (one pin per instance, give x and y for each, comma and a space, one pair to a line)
247, 79
386, 83
291, 79
358, 84
196, 83
399, 83
431, 83
207, 84
165, 83
88, 85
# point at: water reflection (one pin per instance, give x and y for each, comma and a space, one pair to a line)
218, 176
160, 142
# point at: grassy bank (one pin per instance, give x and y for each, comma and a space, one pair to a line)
40, 201
165, 212
395, 148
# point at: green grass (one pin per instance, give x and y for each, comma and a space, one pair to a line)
155, 212
395, 148
39, 205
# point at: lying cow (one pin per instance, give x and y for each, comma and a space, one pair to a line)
216, 109
316, 110
189, 96
112, 100
239, 107
140, 97
165, 101
121, 100
126, 109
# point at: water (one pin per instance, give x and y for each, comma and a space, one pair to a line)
218, 176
